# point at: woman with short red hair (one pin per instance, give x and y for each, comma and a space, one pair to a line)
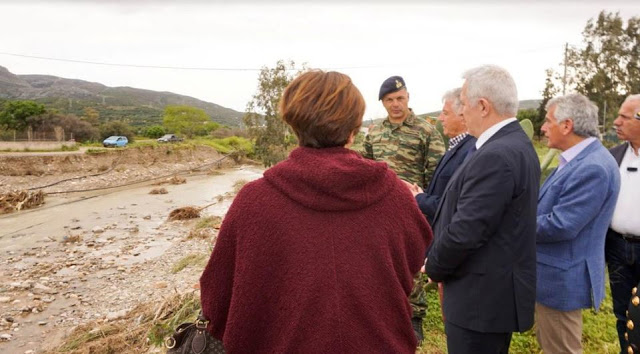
318, 256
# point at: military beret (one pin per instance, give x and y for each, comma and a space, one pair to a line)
392, 84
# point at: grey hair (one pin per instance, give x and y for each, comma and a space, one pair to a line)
635, 97
494, 84
583, 112
453, 96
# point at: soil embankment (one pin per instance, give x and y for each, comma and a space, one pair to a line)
104, 167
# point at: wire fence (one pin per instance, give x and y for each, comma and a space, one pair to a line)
30, 135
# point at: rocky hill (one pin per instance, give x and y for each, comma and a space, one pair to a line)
137, 106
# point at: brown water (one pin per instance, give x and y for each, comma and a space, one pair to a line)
115, 208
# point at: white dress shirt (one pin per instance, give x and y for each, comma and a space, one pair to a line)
491, 131
626, 217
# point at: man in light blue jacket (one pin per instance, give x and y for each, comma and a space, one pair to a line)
575, 206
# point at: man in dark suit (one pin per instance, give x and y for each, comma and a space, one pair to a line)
485, 227
460, 142
622, 247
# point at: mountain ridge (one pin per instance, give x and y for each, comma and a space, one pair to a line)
140, 107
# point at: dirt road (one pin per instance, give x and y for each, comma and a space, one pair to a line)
124, 253
80, 150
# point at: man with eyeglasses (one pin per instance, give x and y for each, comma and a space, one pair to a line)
622, 249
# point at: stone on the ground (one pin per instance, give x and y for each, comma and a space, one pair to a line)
97, 229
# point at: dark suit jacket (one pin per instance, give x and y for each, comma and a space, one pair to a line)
448, 164
619, 151
485, 236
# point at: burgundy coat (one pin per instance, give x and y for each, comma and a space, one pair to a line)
317, 257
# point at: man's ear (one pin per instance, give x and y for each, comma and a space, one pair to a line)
567, 126
484, 106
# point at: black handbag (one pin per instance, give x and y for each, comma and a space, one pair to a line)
193, 338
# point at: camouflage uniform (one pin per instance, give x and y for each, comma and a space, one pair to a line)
412, 149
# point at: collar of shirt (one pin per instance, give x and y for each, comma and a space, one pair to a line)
491, 131
569, 154
630, 150
456, 140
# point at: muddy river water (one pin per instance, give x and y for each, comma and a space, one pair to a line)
90, 209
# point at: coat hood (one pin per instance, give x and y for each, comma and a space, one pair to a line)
331, 179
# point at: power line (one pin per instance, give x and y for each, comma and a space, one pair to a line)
79, 61
126, 65
159, 66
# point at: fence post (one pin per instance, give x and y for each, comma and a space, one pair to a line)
59, 133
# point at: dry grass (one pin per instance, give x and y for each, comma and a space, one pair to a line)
237, 185
194, 259
205, 228
71, 238
159, 191
172, 180
184, 213
212, 221
177, 180
143, 327
19, 200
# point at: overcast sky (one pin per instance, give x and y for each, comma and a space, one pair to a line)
429, 44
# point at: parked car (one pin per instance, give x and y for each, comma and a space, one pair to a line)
169, 138
115, 141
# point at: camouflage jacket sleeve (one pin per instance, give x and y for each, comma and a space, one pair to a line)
367, 149
434, 150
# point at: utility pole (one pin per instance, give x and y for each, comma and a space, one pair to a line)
564, 77
604, 118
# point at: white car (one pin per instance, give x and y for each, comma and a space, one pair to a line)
169, 138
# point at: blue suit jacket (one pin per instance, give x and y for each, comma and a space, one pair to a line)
448, 164
575, 207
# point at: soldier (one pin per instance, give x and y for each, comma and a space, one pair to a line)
411, 147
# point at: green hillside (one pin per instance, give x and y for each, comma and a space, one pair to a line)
137, 106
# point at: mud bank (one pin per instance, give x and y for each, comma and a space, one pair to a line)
104, 167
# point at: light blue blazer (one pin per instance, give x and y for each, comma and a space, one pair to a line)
575, 207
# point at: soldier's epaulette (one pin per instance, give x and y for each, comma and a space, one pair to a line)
432, 120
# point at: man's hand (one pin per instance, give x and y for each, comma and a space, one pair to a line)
424, 271
414, 188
